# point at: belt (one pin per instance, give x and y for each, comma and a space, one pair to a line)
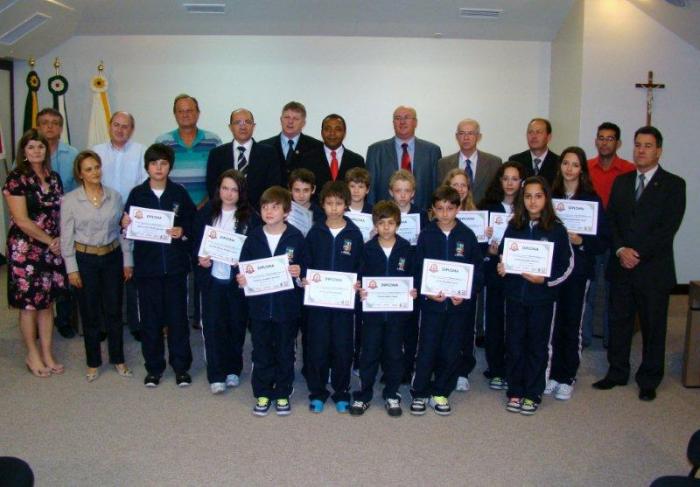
96, 249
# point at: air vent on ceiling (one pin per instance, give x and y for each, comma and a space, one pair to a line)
5, 4
480, 13
205, 8
22, 29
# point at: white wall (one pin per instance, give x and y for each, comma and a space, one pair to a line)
621, 44
501, 83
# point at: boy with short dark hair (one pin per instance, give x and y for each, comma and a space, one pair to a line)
302, 185
358, 181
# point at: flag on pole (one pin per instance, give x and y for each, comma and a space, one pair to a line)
100, 113
58, 86
31, 106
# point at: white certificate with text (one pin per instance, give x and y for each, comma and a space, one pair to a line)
477, 222
387, 294
266, 276
578, 216
221, 246
452, 279
499, 222
363, 222
150, 225
301, 218
528, 256
330, 289
410, 227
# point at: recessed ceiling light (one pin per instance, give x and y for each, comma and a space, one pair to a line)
480, 13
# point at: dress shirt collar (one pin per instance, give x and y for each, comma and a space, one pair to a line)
248, 145
411, 143
647, 175
338, 153
541, 158
285, 140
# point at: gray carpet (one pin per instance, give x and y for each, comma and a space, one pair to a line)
116, 432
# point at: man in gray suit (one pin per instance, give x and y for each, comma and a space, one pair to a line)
480, 166
403, 151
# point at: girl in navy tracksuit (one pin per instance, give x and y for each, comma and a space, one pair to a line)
225, 310
500, 198
160, 270
530, 299
572, 182
385, 255
333, 245
274, 316
444, 321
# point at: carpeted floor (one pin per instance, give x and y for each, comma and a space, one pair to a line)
116, 432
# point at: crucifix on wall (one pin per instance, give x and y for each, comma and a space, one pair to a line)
650, 87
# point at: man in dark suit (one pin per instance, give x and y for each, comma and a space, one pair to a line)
403, 151
256, 161
538, 160
645, 210
480, 166
290, 144
333, 160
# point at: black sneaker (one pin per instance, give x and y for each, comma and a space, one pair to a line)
66, 331
151, 380
183, 379
262, 406
418, 406
358, 408
283, 407
393, 407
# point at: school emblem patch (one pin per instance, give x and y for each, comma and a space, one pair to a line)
402, 264
290, 254
459, 249
347, 246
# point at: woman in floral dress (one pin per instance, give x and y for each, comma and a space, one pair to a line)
36, 274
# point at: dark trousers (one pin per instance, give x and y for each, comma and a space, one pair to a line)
381, 343
100, 301
358, 333
468, 359
330, 342
528, 335
273, 358
410, 343
568, 326
64, 308
439, 354
225, 315
627, 299
163, 302
495, 328
15, 472
132, 306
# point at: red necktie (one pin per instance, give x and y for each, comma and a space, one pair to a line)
334, 166
405, 158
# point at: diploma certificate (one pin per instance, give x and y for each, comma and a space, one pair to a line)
531, 256
221, 246
266, 276
387, 294
363, 222
499, 223
578, 216
330, 289
450, 278
410, 227
477, 222
150, 225
301, 218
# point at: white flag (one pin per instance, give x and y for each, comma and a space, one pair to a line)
100, 113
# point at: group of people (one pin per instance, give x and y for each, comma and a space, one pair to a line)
69, 216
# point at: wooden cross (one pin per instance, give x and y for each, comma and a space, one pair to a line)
650, 87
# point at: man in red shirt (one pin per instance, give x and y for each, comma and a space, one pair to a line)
603, 170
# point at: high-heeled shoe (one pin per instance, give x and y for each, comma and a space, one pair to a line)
123, 371
92, 375
40, 372
57, 369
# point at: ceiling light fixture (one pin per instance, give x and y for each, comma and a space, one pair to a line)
480, 13
205, 8
23, 28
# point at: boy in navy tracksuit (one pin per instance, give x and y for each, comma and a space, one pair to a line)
530, 299
334, 245
274, 316
160, 270
386, 255
444, 321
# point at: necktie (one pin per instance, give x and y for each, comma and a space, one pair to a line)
469, 170
290, 150
537, 165
640, 188
405, 158
242, 161
334, 166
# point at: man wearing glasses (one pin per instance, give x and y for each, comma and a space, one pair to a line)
403, 151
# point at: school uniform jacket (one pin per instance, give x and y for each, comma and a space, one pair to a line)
153, 259
342, 253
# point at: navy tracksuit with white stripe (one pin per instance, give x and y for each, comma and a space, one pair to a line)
530, 313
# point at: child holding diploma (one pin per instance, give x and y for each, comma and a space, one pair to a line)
160, 270
530, 299
274, 316
387, 254
572, 182
333, 245
444, 321
225, 310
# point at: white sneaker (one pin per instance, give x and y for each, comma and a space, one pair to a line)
217, 387
564, 392
551, 387
462, 384
232, 380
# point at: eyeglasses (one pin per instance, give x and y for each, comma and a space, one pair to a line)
243, 123
404, 118
467, 134
600, 138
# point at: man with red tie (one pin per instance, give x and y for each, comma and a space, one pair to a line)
333, 160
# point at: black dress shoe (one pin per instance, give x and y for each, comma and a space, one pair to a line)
647, 394
606, 384
66, 331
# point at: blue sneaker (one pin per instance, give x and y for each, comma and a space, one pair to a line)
342, 406
316, 406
